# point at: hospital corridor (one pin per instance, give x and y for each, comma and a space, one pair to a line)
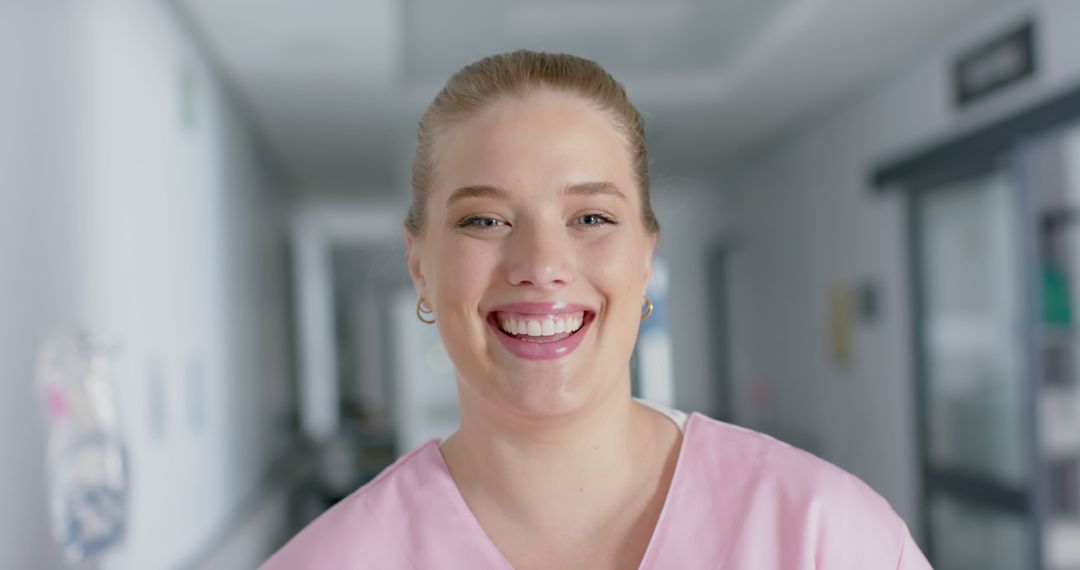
869, 249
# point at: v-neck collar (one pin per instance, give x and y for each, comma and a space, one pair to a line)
464, 513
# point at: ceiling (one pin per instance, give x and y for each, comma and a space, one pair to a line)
336, 86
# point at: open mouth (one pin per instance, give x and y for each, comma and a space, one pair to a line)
540, 329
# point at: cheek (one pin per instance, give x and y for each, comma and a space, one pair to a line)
615, 263
463, 270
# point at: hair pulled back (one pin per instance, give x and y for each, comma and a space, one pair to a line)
518, 73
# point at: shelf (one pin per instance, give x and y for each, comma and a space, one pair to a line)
1057, 334
1059, 422
1062, 544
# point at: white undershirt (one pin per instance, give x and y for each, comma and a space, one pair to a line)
677, 416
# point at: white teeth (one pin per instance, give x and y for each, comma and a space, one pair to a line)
541, 327
547, 328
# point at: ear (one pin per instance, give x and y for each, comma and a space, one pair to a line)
413, 250
650, 248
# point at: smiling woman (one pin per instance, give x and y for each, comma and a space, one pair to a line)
530, 243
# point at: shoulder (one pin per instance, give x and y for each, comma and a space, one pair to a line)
358, 531
795, 475
778, 488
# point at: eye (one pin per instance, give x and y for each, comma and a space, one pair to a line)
594, 219
481, 222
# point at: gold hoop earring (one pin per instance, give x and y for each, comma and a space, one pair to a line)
648, 308
421, 310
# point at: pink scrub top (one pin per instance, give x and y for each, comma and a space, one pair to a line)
738, 499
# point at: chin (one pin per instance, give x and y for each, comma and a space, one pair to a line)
548, 393
541, 388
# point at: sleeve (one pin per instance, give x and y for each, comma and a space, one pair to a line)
911, 558
857, 528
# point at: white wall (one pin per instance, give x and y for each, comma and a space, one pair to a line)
155, 222
805, 219
38, 268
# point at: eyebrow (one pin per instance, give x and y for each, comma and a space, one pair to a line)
591, 188
478, 191
488, 191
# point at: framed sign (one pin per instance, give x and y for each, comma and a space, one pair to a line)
1004, 60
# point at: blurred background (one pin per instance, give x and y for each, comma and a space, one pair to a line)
870, 249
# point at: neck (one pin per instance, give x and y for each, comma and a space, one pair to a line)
553, 473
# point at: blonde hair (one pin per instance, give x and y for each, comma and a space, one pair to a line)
516, 74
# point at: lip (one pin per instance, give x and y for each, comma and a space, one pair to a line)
542, 308
531, 350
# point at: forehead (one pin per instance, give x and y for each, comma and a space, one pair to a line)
544, 140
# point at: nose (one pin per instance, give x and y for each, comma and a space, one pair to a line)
540, 257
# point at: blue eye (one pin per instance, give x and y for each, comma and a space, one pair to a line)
481, 222
594, 220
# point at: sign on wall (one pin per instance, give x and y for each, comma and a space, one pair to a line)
996, 64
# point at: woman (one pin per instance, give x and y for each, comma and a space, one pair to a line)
530, 242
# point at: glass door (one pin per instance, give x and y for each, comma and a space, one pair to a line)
997, 292
994, 236
975, 393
